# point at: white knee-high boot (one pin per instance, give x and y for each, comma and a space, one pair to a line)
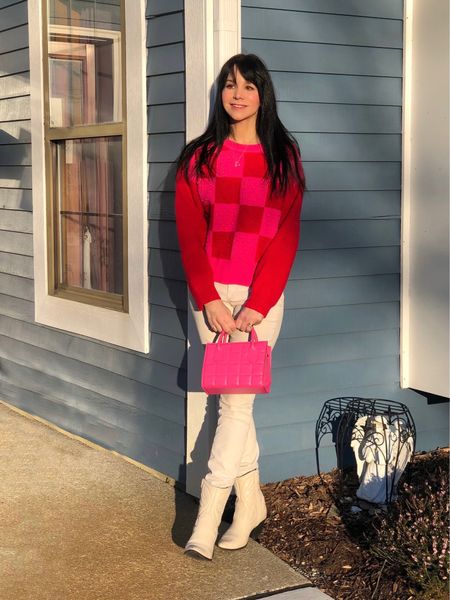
249, 512
212, 504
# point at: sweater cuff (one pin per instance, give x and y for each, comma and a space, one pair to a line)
204, 298
260, 306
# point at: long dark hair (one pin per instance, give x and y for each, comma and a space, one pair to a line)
281, 149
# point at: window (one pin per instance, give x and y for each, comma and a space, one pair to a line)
85, 129
90, 243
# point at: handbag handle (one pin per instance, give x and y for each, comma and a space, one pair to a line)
224, 337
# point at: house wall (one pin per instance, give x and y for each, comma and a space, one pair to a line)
337, 68
124, 400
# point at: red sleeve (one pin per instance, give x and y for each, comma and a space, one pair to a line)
273, 268
191, 229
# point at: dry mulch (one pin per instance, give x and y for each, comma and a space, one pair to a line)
311, 527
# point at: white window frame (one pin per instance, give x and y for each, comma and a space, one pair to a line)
131, 329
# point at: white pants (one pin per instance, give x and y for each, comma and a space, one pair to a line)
235, 449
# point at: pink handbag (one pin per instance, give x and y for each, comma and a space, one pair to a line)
237, 367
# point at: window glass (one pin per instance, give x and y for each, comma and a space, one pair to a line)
84, 62
88, 192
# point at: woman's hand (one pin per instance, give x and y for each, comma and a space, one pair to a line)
247, 317
219, 317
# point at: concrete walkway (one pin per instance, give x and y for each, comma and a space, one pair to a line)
81, 523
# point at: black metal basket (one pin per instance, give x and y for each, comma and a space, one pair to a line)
338, 418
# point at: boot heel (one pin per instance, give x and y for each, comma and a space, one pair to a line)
257, 531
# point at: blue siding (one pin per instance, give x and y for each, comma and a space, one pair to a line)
337, 69
124, 400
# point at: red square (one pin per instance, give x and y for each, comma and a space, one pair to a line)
222, 243
228, 190
249, 219
263, 242
254, 165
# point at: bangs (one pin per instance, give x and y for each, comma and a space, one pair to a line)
246, 67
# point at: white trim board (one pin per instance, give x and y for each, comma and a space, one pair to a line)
424, 318
212, 35
129, 330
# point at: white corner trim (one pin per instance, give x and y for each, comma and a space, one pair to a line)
129, 330
212, 35
406, 194
227, 31
199, 64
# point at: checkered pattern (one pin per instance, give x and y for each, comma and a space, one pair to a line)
230, 231
242, 217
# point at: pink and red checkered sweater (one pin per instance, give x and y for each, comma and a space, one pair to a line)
233, 231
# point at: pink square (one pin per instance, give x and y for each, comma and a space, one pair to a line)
244, 247
254, 191
226, 164
225, 217
270, 222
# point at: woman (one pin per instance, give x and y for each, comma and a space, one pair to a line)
239, 191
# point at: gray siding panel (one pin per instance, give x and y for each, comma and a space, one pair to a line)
166, 59
14, 85
124, 400
334, 291
389, 9
15, 109
338, 89
16, 264
13, 16
337, 70
161, 206
353, 176
350, 204
15, 177
18, 287
14, 39
160, 7
340, 118
322, 28
14, 306
14, 220
16, 155
350, 147
327, 320
15, 132
166, 118
317, 58
14, 62
165, 29
165, 147
165, 89
314, 264
16, 243
15, 199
